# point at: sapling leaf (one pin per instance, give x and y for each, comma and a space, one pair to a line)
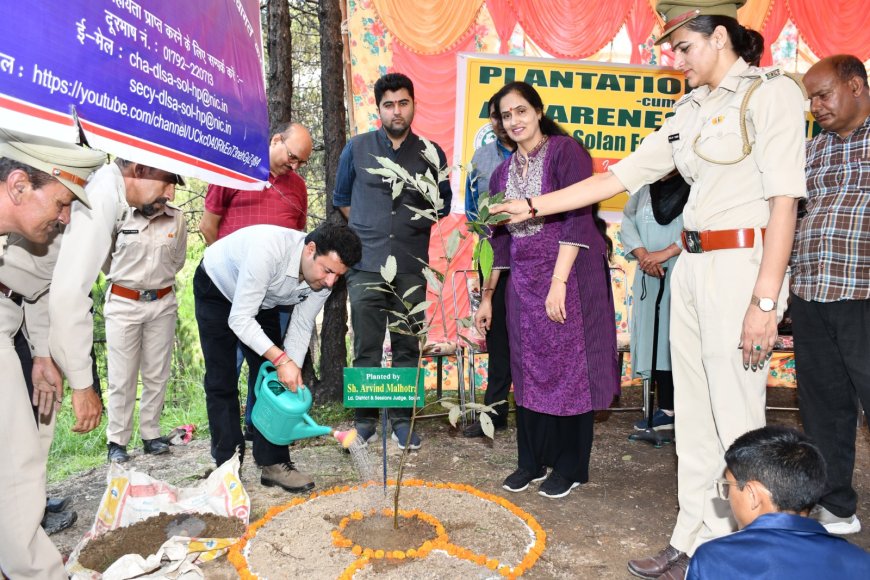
432, 280
388, 270
453, 415
486, 425
382, 171
410, 291
465, 321
396, 169
419, 307
485, 258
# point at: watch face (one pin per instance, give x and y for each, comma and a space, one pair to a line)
766, 304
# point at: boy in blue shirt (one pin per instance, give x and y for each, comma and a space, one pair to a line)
773, 478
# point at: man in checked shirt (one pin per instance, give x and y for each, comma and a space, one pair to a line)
830, 292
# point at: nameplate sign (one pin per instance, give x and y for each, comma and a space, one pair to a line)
382, 387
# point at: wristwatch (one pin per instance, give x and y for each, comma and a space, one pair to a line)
764, 304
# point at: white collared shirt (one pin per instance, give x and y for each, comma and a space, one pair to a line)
256, 268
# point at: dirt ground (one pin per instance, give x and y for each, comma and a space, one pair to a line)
627, 509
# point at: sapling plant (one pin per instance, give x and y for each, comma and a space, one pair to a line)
411, 320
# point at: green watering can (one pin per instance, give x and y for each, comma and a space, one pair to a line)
281, 416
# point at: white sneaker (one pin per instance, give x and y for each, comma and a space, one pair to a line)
835, 524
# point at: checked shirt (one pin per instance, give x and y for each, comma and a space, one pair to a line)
831, 259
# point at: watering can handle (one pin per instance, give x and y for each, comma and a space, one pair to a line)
266, 368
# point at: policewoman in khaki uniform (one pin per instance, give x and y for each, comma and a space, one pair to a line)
39, 178
728, 285
140, 313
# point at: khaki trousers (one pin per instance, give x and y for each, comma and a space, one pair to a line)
139, 338
715, 399
25, 549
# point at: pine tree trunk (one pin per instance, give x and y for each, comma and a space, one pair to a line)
333, 354
279, 79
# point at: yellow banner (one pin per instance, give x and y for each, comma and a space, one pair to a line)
609, 108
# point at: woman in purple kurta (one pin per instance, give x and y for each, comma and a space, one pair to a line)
560, 307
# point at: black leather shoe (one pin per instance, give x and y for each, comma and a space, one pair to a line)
475, 430
53, 523
57, 504
118, 453
155, 446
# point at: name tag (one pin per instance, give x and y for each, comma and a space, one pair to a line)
674, 137
129, 232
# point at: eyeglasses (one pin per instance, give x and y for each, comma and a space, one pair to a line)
292, 158
723, 487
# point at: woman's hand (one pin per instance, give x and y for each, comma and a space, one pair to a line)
555, 302
517, 208
483, 316
758, 337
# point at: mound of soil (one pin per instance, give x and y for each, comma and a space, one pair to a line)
145, 538
377, 532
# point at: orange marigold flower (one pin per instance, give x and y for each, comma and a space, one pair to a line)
379, 554
356, 550
492, 564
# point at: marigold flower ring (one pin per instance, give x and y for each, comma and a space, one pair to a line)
288, 539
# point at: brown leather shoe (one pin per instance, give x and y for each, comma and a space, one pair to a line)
285, 475
654, 566
677, 571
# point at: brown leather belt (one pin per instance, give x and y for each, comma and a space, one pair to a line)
8, 293
141, 295
709, 240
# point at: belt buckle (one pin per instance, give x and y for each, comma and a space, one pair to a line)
693, 242
147, 295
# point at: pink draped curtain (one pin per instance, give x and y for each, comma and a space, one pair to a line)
833, 26
571, 29
434, 79
639, 25
505, 21
773, 26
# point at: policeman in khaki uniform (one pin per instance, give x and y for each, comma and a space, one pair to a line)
140, 314
727, 286
116, 192
39, 178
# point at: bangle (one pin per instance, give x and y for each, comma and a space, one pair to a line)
279, 358
487, 289
532, 209
286, 360
562, 280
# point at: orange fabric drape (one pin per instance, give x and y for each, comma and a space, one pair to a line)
571, 29
834, 26
434, 79
505, 21
428, 26
639, 25
754, 13
772, 28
